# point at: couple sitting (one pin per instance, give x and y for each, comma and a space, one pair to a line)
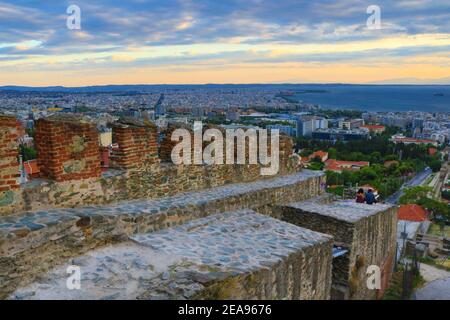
362, 197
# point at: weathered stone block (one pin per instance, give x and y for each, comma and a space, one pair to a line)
241, 255
368, 232
67, 148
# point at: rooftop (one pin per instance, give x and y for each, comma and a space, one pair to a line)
412, 212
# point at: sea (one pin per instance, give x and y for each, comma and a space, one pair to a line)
381, 98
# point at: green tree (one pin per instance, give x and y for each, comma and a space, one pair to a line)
435, 165
28, 153
414, 194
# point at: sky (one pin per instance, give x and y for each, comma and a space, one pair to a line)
227, 41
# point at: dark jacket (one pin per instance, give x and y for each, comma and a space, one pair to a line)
370, 198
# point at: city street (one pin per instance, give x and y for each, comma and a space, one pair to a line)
416, 181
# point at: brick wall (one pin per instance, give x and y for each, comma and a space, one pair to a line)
68, 148
9, 166
137, 144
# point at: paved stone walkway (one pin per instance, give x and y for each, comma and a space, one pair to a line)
347, 210
33, 221
179, 262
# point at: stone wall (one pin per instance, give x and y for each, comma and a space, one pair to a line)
137, 144
374, 243
35, 242
69, 159
9, 153
368, 232
154, 181
68, 148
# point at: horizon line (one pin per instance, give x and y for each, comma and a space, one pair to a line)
223, 84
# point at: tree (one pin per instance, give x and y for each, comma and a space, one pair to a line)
436, 208
28, 153
414, 194
332, 153
333, 178
435, 165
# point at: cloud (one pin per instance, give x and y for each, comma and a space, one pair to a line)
118, 34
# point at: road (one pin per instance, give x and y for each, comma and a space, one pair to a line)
417, 180
438, 284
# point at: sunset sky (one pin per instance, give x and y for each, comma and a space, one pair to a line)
228, 41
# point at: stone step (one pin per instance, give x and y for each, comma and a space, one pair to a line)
233, 255
32, 243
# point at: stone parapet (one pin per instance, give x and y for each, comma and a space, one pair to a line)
9, 155
368, 232
36, 241
137, 144
68, 148
233, 255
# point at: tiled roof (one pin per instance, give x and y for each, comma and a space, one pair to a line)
31, 167
374, 127
412, 212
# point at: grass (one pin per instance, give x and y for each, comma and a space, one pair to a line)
337, 190
395, 289
435, 230
445, 265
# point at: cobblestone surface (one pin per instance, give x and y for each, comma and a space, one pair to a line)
33, 243
10, 226
348, 210
182, 262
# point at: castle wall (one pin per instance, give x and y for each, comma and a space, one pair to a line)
137, 144
370, 239
9, 154
67, 148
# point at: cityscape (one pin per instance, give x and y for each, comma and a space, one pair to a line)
93, 205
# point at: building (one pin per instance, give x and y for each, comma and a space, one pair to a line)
289, 130
351, 124
333, 134
321, 123
233, 115
412, 212
105, 138
306, 126
377, 129
322, 155
339, 166
407, 140
31, 169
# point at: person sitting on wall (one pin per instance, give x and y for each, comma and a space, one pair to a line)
370, 197
360, 197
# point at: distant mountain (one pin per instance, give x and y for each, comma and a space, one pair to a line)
139, 87
414, 81
156, 87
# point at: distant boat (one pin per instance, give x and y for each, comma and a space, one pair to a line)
440, 94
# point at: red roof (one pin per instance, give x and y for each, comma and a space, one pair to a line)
412, 140
31, 167
336, 165
318, 154
432, 151
374, 127
412, 212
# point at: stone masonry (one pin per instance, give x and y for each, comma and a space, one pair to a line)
150, 229
368, 232
137, 144
9, 154
34, 242
68, 148
232, 255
